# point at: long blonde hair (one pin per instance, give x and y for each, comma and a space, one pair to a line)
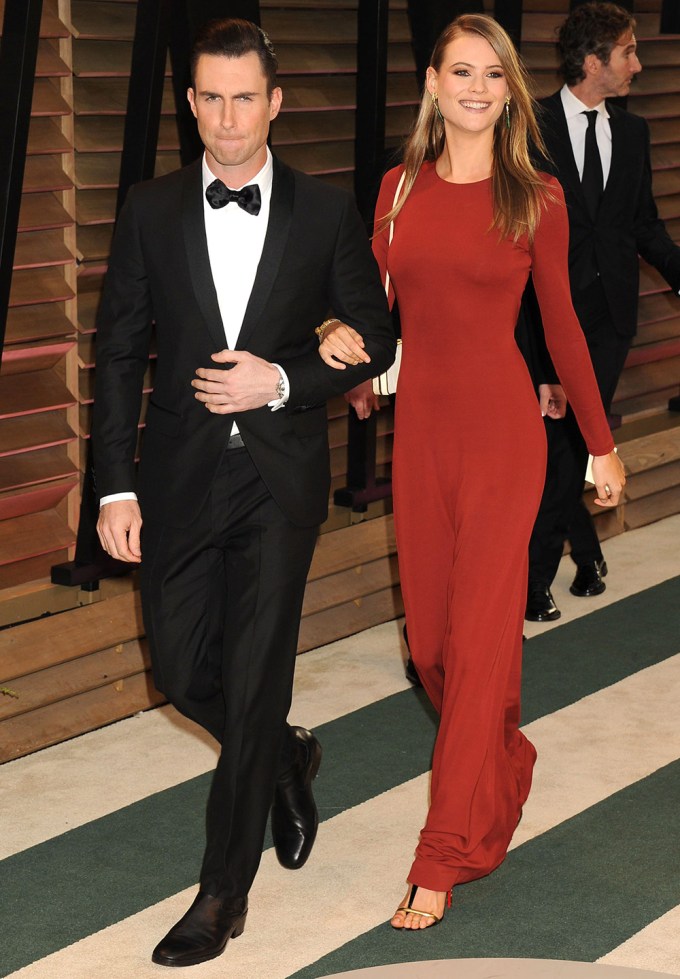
519, 192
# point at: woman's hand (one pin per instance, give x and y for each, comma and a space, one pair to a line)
342, 345
363, 400
609, 478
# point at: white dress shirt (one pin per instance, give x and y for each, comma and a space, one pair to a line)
578, 125
235, 242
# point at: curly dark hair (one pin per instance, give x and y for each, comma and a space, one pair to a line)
593, 28
233, 38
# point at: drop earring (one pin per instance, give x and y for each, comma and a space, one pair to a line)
507, 113
435, 103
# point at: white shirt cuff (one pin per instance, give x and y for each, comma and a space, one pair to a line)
115, 497
280, 402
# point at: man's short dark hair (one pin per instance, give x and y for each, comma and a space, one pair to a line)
593, 28
232, 38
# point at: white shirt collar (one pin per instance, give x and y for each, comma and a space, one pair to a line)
263, 178
573, 106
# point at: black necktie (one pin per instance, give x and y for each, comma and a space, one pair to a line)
592, 180
219, 195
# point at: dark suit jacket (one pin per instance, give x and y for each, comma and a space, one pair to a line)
627, 222
316, 257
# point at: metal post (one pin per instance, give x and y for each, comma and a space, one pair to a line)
369, 146
18, 54
670, 20
508, 13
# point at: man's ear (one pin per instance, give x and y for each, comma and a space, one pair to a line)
191, 96
275, 100
591, 64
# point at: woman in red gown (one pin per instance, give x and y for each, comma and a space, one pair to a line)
471, 222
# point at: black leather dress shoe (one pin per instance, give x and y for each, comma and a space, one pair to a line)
295, 818
588, 580
540, 605
204, 930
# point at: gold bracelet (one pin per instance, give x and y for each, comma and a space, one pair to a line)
320, 330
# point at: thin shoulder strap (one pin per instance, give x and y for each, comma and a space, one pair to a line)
391, 234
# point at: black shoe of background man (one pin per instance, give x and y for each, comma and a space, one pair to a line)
588, 580
410, 669
203, 932
540, 605
295, 818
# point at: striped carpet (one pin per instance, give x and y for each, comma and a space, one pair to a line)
101, 836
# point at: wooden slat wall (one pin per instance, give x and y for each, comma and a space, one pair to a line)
39, 478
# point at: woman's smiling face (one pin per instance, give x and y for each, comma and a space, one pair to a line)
470, 84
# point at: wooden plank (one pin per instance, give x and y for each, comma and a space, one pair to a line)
663, 130
666, 182
31, 432
543, 26
651, 451
640, 513
97, 171
657, 375
44, 173
45, 136
650, 351
346, 620
669, 207
666, 155
654, 106
333, 125
58, 683
33, 535
104, 134
94, 242
656, 80
654, 481
47, 100
35, 249
49, 64
667, 329
102, 59
319, 158
88, 303
348, 586
100, 20
659, 306
32, 468
45, 321
108, 96
651, 280
34, 286
37, 645
34, 499
77, 715
27, 394
95, 206
35, 570
40, 211
338, 92
341, 550
33, 358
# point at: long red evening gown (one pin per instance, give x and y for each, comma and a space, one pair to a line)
468, 471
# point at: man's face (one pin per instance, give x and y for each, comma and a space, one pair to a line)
233, 112
615, 77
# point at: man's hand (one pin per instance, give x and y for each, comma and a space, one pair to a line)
119, 527
363, 400
250, 383
553, 400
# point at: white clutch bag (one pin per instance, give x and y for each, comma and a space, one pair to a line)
386, 383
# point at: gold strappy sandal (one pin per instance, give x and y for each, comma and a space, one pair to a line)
409, 909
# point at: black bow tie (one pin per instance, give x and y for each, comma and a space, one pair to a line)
219, 195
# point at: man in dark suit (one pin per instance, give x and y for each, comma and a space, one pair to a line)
601, 156
234, 475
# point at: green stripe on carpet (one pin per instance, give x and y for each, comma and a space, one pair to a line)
573, 893
84, 880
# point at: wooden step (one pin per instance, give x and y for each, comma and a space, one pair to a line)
666, 182
659, 306
94, 243
48, 63
669, 207
658, 376
47, 321
99, 20
95, 206
35, 249
339, 93
313, 26
40, 211
656, 81
298, 127
650, 350
319, 158
663, 131
27, 433
667, 329
659, 52
544, 26
99, 171
667, 155
651, 280
32, 572
39, 286
101, 59
31, 468
654, 106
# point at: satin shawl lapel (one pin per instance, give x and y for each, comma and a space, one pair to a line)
278, 229
196, 245
559, 147
615, 188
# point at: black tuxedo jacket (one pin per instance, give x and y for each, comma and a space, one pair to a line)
316, 257
627, 222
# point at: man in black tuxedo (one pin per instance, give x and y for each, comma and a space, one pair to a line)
601, 156
234, 475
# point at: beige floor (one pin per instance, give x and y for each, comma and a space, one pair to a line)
362, 854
